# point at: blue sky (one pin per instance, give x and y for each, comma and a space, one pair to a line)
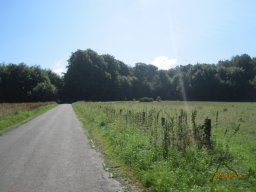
163, 32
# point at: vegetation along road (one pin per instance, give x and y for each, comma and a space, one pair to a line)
51, 153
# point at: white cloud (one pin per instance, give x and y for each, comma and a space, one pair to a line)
59, 67
163, 62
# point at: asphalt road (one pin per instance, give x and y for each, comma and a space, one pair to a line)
52, 154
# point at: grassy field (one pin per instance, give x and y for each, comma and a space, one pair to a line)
15, 113
165, 145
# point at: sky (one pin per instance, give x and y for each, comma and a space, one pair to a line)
165, 33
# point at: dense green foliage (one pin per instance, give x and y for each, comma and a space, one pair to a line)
20, 83
95, 77
169, 157
14, 113
101, 77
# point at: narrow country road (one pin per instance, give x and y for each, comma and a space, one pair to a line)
52, 154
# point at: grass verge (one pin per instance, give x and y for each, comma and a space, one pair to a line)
12, 115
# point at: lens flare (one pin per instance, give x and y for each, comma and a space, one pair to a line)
183, 90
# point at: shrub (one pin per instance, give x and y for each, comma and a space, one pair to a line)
158, 98
146, 99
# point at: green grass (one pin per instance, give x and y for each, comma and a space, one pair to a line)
136, 143
12, 114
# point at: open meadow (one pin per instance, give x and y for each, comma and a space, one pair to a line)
177, 146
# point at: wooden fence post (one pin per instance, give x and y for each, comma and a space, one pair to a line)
207, 133
143, 116
166, 139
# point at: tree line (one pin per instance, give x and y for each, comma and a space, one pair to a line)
22, 83
95, 77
